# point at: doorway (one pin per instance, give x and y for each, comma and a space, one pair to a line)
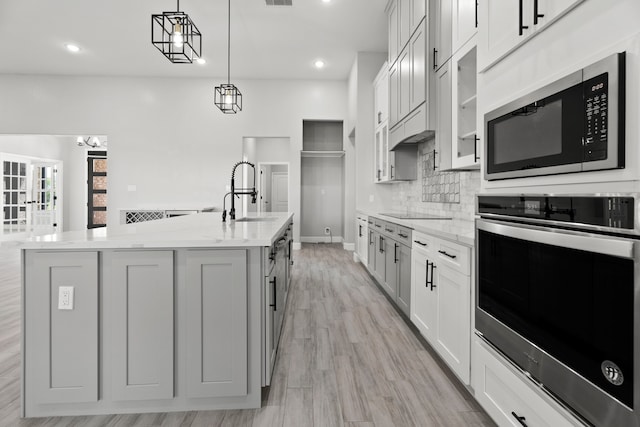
31, 196
273, 187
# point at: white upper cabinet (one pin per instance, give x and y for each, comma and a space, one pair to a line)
442, 10
504, 25
394, 29
418, 76
464, 22
417, 14
465, 149
404, 18
381, 96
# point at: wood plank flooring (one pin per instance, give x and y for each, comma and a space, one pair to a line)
347, 358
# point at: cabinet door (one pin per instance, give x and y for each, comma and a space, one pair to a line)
377, 154
371, 254
390, 283
454, 320
380, 263
216, 288
423, 298
394, 94
381, 95
140, 285
404, 89
403, 298
464, 153
417, 52
443, 117
464, 23
404, 22
394, 31
551, 10
418, 13
499, 30
442, 43
61, 346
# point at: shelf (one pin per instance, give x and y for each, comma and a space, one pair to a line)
468, 101
321, 153
468, 135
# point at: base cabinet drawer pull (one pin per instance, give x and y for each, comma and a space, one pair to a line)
275, 295
404, 236
419, 242
520, 419
447, 254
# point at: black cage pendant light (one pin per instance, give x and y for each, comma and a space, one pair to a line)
227, 97
176, 36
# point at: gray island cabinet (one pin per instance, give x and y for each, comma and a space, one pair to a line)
152, 317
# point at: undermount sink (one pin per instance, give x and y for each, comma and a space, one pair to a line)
256, 219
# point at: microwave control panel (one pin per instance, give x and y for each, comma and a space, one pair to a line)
596, 112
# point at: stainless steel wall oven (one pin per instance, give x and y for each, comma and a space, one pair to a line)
558, 293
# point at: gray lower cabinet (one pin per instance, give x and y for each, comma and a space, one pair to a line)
61, 345
390, 280
140, 328
403, 298
390, 261
216, 287
380, 267
371, 248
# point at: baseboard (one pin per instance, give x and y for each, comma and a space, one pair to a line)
349, 246
297, 246
321, 239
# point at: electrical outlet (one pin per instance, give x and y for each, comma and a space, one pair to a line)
327, 230
370, 198
65, 298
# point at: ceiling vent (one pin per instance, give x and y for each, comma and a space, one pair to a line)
279, 2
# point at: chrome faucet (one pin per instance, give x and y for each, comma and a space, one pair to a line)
240, 191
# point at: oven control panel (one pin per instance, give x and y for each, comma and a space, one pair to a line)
603, 211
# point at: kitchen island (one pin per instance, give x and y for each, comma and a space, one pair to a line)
168, 315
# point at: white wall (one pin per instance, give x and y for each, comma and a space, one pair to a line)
591, 31
165, 135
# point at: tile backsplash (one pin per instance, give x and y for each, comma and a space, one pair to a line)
438, 193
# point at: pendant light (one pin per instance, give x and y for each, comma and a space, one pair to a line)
227, 97
176, 36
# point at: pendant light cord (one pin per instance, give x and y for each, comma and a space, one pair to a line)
228, 43
178, 5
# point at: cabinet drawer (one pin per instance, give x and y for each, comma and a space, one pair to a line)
454, 255
503, 393
403, 235
378, 225
389, 229
422, 242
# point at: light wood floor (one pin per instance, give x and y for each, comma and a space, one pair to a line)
347, 358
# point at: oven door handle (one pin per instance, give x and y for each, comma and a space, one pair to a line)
580, 240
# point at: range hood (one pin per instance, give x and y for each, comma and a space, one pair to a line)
411, 140
410, 131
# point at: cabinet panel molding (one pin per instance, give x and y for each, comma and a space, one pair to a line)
64, 353
216, 286
141, 286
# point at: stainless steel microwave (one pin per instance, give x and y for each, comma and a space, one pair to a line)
574, 124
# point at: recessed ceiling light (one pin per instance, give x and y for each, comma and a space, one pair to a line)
201, 61
72, 48
326, 1
319, 63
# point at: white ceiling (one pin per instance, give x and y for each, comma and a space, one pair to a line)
267, 42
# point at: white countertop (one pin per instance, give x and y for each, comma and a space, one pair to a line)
456, 230
196, 230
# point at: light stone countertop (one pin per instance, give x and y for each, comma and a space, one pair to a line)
196, 230
456, 230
